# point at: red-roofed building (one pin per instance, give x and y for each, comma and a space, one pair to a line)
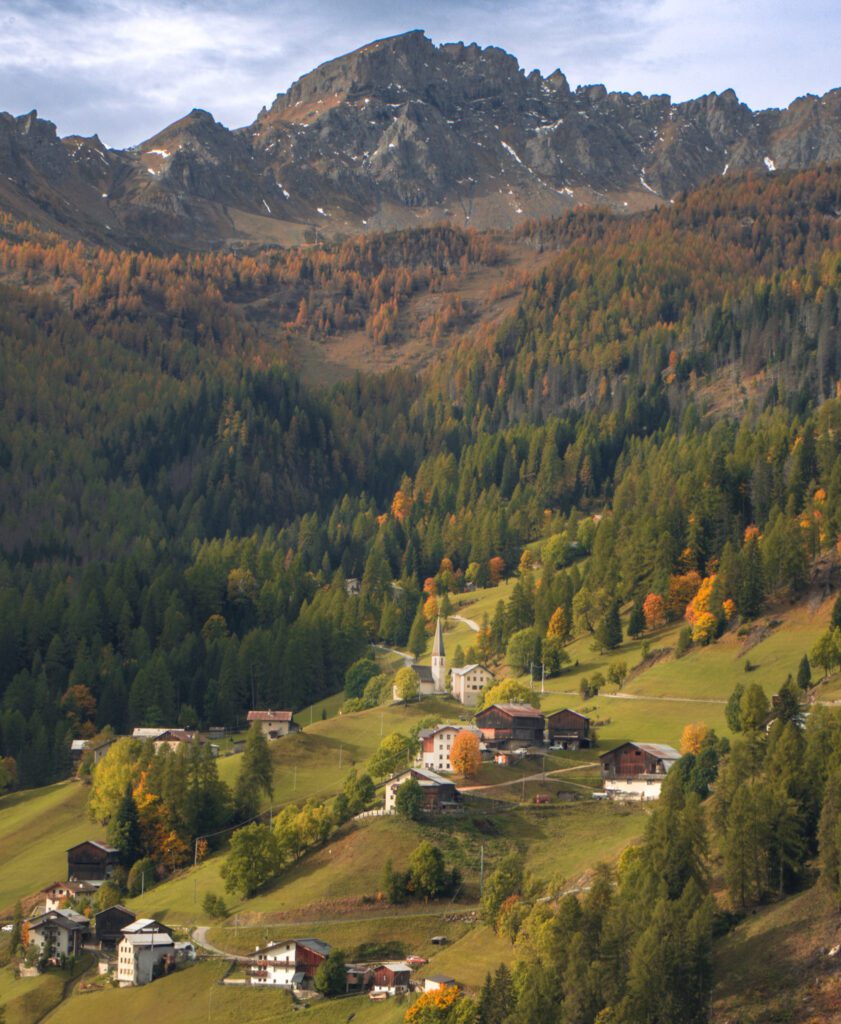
274, 723
511, 725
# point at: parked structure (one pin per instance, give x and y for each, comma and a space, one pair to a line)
468, 683
568, 729
290, 964
436, 745
274, 723
637, 770
439, 794
92, 861
392, 978
58, 932
59, 894
109, 924
511, 726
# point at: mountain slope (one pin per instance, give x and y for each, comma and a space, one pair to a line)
401, 132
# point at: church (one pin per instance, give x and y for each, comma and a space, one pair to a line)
432, 678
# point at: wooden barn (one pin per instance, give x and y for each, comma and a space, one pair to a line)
392, 978
511, 725
568, 729
109, 924
91, 861
637, 770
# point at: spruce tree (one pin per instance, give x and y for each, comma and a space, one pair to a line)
636, 622
609, 630
124, 829
804, 673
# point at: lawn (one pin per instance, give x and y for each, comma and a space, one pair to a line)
28, 1000
37, 826
396, 934
193, 996
469, 959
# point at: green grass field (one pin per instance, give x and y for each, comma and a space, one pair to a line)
194, 996
28, 1000
36, 829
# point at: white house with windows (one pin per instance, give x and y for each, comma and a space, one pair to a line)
141, 956
289, 964
468, 683
436, 745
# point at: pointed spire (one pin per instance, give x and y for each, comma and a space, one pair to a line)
438, 642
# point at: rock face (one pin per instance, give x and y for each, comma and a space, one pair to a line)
402, 132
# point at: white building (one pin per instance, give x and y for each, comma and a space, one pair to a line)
289, 964
436, 745
141, 956
468, 683
58, 932
636, 771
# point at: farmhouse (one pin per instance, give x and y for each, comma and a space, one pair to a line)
59, 894
58, 932
290, 964
274, 723
392, 978
439, 794
568, 729
143, 956
637, 770
436, 745
511, 725
91, 861
143, 732
468, 683
175, 738
109, 924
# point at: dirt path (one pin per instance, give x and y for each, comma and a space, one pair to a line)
531, 778
470, 623
391, 650
643, 696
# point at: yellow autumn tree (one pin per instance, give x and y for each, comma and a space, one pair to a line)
433, 1007
692, 737
704, 611
558, 625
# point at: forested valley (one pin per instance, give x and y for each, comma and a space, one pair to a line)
180, 513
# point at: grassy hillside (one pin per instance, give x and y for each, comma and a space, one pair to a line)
36, 828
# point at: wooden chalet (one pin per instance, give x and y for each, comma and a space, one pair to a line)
511, 725
637, 770
109, 924
59, 894
274, 723
439, 794
291, 963
91, 861
568, 729
392, 978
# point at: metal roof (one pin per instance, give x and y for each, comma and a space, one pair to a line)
269, 716
515, 710
662, 751
469, 668
396, 965
149, 939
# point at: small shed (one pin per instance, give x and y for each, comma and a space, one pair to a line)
568, 729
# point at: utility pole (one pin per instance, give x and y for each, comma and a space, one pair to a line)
543, 677
481, 870
340, 755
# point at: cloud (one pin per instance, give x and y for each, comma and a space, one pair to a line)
126, 69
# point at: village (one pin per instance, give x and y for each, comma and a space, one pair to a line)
131, 950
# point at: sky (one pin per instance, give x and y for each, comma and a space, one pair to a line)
127, 68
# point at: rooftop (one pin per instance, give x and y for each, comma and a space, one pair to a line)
662, 751
149, 939
515, 710
269, 716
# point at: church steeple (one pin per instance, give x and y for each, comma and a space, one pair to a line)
439, 658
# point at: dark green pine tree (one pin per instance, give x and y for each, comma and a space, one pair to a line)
255, 773
124, 829
804, 673
417, 634
836, 613
609, 630
750, 584
636, 622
